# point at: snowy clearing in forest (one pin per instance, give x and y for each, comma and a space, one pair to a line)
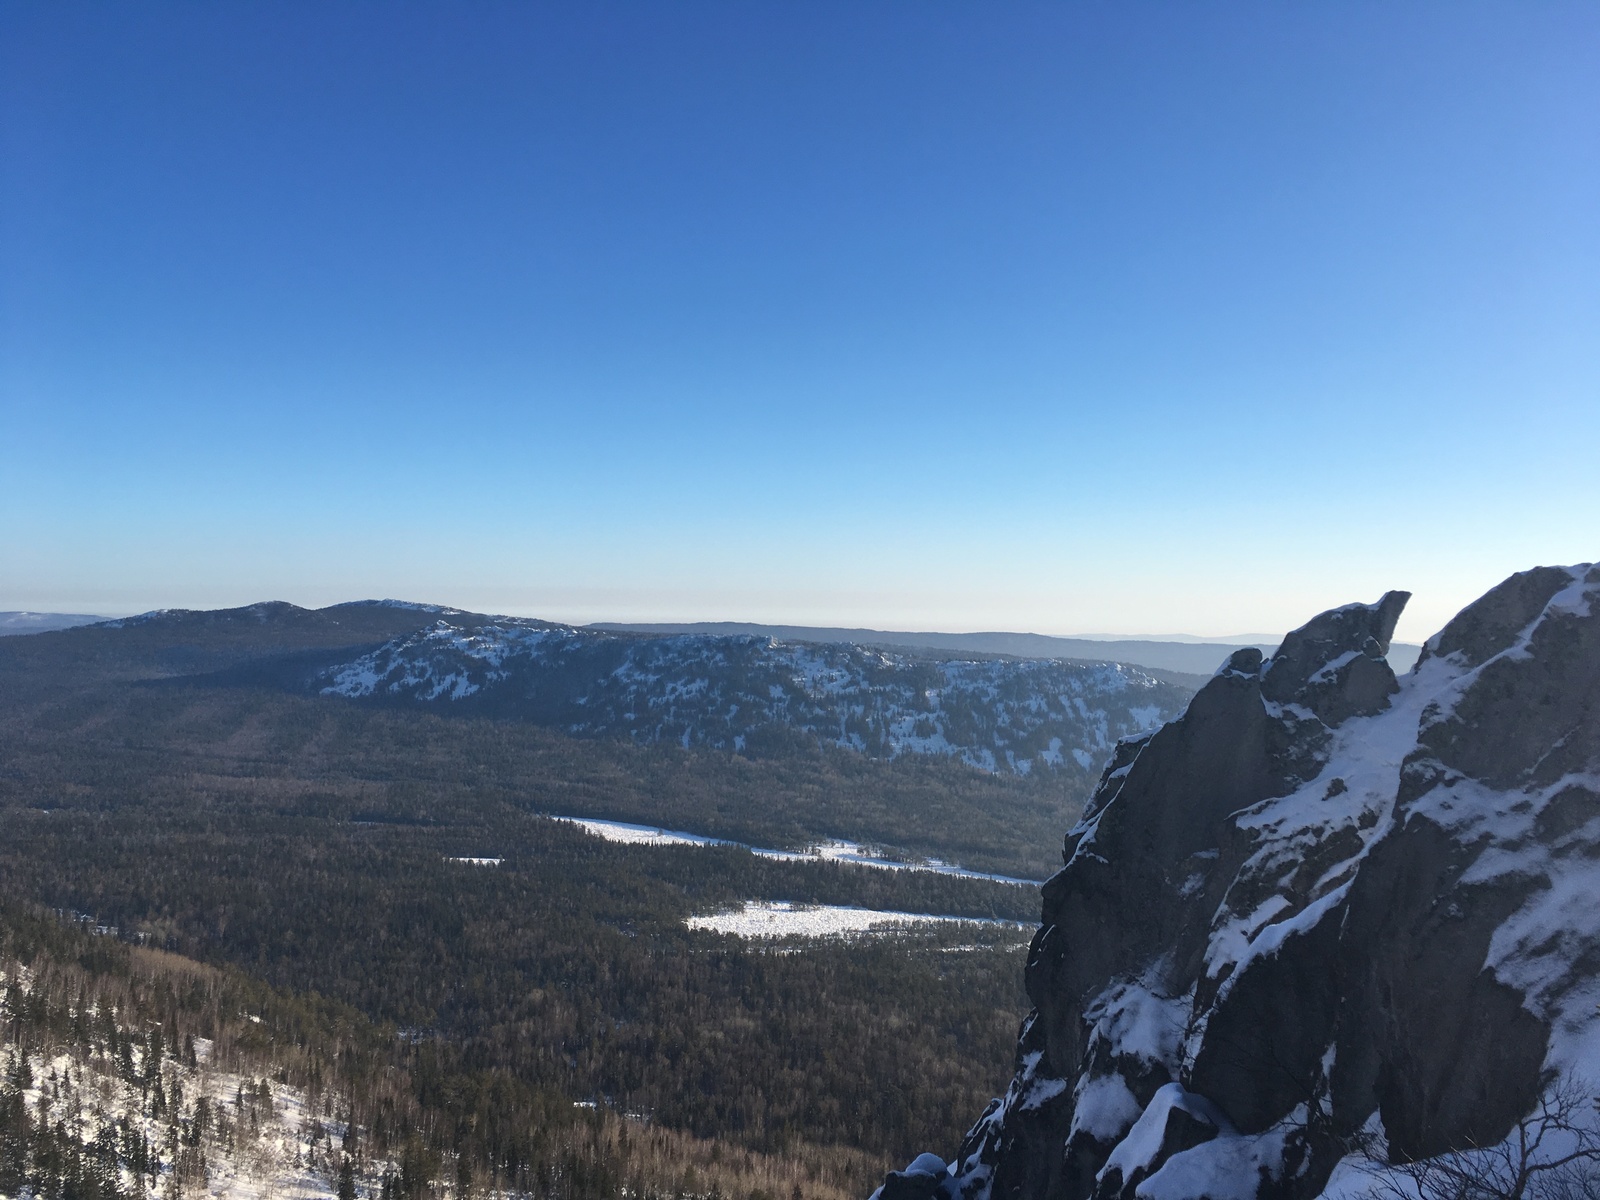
779, 919
830, 850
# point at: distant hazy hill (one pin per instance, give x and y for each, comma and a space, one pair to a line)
1180, 654
33, 622
1190, 658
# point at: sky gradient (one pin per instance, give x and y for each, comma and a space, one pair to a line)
1073, 318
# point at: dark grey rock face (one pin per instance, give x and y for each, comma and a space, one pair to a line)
1321, 898
1533, 715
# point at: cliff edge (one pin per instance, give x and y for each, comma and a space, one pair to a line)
1324, 908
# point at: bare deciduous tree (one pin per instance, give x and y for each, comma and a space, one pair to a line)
1553, 1153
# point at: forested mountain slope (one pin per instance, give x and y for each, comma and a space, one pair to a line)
131, 1074
754, 693
331, 847
750, 695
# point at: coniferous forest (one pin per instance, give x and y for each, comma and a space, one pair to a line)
279, 880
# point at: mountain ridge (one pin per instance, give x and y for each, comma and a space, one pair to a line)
745, 692
13, 623
1197, 657
1180, 654
741, 693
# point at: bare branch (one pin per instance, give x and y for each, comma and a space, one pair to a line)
1518, 1168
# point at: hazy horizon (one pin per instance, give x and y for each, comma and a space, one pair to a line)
579, 620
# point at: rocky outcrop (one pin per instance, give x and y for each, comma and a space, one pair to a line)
1323, 906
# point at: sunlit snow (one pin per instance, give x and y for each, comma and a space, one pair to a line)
780, 919
830, 850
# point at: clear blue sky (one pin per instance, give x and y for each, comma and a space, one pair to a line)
1126, 317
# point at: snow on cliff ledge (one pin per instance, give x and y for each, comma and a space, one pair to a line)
1323, 902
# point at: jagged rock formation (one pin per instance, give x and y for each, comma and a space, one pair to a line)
1323, 904
749, 693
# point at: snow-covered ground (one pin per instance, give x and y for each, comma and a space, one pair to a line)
641, 835
275, 1147
278, 1166
832, 850
780, 919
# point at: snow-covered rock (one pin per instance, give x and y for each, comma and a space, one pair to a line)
1322, 902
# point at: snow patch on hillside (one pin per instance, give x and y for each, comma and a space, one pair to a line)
239, 1137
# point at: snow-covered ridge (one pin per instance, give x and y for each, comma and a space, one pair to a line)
745, 693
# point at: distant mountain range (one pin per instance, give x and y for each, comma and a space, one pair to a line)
1188, 656
34, 622
1184, 654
